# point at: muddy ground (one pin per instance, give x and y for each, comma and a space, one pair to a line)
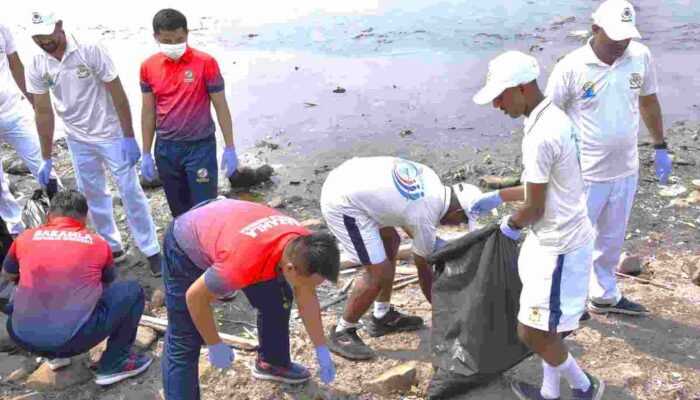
651, 357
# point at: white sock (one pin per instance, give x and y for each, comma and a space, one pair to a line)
574, 374
381, 308
550, 381
343, 324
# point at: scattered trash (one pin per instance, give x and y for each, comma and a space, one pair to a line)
339, 90
499, 182
405, 132
246, 177
307, 104
672, 190
294, 183
563, 22
696, 184
276, 202
582, 34
268, 144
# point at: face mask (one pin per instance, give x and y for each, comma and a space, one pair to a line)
173, 51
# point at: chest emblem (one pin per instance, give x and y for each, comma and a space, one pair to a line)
82, 71
636, 81
50, 80
189, 76
588, 90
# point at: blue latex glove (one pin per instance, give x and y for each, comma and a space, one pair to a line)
221, 355
229, 161
130, 151
662, 164
148, 169
485, 203
513, 234
325, 363
439, 244
44, 172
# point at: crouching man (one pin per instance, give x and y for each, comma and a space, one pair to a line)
555, 260
224, 245
66, 301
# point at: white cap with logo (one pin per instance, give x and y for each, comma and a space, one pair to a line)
508, 70
467, 194
617, 18
42, 23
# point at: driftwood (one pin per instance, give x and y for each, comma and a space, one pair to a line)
160, 325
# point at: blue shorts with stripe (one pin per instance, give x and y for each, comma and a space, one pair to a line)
555, 286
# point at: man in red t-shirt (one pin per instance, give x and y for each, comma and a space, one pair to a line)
66, 301
179, 86
226, 245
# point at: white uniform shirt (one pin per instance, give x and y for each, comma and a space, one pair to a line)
10, 95
395, 192
551, 156
79, 94
603, 103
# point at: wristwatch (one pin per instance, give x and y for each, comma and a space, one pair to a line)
512, 225
660, 146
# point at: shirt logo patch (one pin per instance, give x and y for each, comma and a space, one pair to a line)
62, 235
588, 90
534, 316
202, 175
83, 71
408, 180
636, 81
189, 76
50, 80
627, 15
264, 224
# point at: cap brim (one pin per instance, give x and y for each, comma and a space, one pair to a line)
488, 93
41, 30
623, 32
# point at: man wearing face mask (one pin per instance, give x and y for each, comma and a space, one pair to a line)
90, 99
604, 86
179, 85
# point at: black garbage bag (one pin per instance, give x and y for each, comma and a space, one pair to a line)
34, 212
476, 294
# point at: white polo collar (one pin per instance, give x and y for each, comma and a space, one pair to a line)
589, 56
536, 114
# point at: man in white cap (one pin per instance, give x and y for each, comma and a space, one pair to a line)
363, 201
16, 125
90, 99
557, 253
604, 86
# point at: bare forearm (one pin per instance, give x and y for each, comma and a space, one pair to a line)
203, 318
650, 109
310, 313
124, 113
512, 194
225, 122
45, 126
148, 128
527, 215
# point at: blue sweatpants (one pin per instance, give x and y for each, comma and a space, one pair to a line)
116, 315
187, 170
182, 340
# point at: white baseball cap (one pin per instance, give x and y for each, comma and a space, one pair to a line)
42, 23
466, 194
508, 70
617, 18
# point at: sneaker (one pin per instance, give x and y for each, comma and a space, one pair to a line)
58, 363
119, 256
348, 344
595, 392
155, 263
393, 321
293, 374
228, 296
623, 306
526, 391
132, 366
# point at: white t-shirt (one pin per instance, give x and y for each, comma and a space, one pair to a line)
551, 156
10, 95
393, 192
603, 103
79, 94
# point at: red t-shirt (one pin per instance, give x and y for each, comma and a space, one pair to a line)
181, 89
61, 268
238, 243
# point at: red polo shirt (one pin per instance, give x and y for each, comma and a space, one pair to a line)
181, 89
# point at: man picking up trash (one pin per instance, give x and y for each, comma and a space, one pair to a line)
363, 201
67, 301
556, 256
224, 245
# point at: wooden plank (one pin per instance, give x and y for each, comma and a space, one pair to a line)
239, 343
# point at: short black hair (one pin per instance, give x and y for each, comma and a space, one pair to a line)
169, 19
69, 203
322, 254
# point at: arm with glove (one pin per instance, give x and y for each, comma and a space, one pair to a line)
650, 109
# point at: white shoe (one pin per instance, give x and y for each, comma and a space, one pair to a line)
58, 363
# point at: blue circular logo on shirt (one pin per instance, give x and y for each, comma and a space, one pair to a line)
408, 180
